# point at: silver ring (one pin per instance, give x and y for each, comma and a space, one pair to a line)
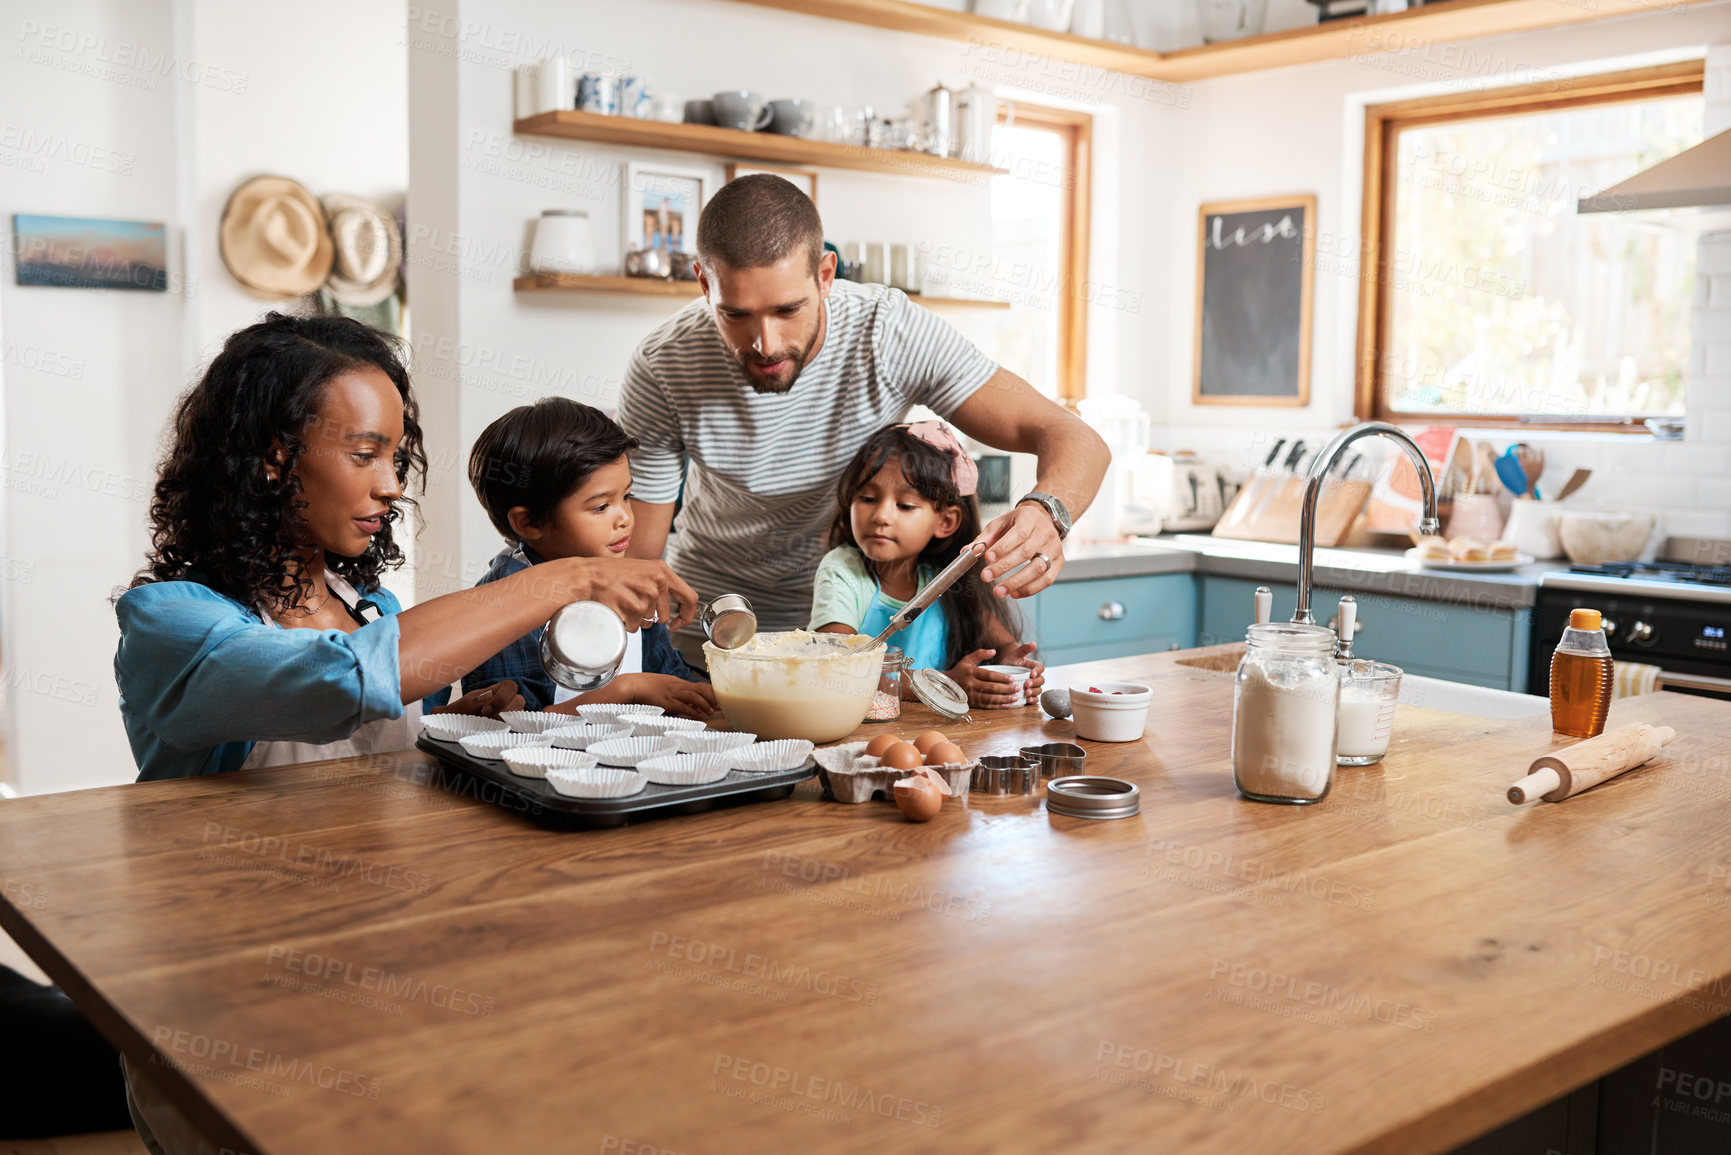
653, 619
1045, 559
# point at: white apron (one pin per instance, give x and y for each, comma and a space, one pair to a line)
384, 736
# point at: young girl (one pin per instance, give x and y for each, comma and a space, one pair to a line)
906, 510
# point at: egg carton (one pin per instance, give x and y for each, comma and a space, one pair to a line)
849, 774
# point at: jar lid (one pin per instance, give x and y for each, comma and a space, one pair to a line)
939, 691
1093, 797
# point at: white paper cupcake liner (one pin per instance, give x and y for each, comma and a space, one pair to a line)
710, 741
493, 743
664, 726
582, 735
772, 757
629, 751
536, 761
535, 721
607, 711
686, 769
600, 782
451, 727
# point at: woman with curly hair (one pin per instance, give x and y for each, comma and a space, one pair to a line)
257, 633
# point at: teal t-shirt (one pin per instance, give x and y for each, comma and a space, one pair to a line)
845, 591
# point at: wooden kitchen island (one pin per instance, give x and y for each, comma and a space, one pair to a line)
346, 957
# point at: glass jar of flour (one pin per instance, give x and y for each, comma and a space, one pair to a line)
1284, 703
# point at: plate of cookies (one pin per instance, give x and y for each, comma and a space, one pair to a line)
1468, 555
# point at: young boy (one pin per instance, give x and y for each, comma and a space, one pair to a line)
555, 480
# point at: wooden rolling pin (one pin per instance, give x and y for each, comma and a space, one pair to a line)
1586, 764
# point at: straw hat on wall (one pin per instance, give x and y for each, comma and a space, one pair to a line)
369, 250
275, 239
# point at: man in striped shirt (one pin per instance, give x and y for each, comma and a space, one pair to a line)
756, 396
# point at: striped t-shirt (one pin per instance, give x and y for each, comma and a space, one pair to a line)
760, 469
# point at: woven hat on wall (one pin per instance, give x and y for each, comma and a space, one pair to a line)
275, 240
369, 250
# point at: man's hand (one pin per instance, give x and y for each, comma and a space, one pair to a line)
1025, 534
487, 702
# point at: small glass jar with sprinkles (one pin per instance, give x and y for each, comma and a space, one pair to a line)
887, 702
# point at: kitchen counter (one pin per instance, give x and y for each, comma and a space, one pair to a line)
1387, 572
346, 957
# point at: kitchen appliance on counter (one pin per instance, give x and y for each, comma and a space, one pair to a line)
1674, 615
1185, 493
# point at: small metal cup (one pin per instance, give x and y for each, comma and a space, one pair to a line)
582, 646
729, 621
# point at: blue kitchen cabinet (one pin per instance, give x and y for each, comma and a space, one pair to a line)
1087, 620
1478, 645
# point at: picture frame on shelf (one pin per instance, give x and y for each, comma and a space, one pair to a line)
661, 204
803, 179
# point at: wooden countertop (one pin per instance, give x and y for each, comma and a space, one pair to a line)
339, 958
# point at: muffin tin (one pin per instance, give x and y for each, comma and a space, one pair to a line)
653, 801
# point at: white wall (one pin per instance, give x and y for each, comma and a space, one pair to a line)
1301, 130
482, 349
145, 110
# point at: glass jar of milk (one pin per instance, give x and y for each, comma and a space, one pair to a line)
1285, 697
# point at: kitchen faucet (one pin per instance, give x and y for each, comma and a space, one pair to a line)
1319, 468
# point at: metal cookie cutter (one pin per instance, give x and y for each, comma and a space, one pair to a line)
1090, 797
1004, 774
1056, 759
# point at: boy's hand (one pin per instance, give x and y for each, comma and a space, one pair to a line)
675, 695
487, 702
986, 688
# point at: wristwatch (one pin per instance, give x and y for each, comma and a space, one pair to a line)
1060, 515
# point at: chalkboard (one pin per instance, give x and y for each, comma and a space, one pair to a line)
1253, 285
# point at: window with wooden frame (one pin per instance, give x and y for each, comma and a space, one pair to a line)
1040, 246
1484, 298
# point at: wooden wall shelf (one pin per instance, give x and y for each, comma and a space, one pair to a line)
650, 287
1411, 31
570, 124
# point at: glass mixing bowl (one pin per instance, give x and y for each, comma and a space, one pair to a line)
795, 684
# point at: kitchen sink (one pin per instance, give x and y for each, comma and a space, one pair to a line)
1416, 690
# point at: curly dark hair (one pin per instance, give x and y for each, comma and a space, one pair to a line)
969, 604
216, 518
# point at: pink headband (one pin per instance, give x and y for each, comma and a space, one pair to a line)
935, 433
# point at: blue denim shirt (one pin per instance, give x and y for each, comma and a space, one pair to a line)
521, 660
202, 678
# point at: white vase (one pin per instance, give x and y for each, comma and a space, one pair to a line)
1052, 15
1089, 19
1002, 9
1120, 24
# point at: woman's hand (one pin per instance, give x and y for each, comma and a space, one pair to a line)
487, 702
641, 592
985, 688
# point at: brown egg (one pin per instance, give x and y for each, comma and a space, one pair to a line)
901, 756
925, 741
918, 799
945, 754
878, 745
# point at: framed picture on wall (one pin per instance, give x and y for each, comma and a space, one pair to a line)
1255, 270
662, 203
90, 253
803, 178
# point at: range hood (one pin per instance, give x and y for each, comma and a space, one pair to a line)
1697, 178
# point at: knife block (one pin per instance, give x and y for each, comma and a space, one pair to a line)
1268, 508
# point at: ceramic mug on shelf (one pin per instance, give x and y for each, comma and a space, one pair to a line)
791, 117
745, 111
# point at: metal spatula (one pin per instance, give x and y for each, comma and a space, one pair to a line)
965, 561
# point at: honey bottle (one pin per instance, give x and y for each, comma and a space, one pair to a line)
1581, 677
